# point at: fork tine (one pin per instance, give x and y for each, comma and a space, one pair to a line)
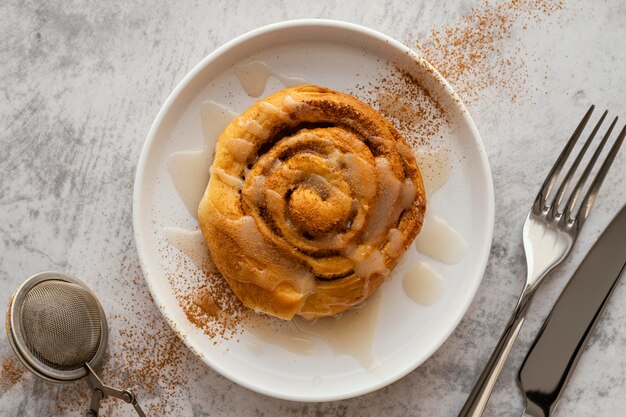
592, 194
570, 173
540, 201
585, 175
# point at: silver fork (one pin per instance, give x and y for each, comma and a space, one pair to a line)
549, 233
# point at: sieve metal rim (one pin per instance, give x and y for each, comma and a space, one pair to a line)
18, 343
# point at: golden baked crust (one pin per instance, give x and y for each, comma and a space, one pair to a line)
312, 199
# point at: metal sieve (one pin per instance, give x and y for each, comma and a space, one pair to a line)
57, 328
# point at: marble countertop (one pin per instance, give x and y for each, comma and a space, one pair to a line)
81, 85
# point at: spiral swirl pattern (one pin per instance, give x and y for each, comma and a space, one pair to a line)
312, 199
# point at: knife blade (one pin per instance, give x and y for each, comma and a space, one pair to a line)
558, 346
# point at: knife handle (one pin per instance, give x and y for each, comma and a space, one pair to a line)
477, 400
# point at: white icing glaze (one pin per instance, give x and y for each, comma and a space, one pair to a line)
408, 194
440, 241
276, 164
318, 183
190, 174
281, 334
404, 150
291, 104
256, 189
332, 240
423, 284
335, 157
253, 77
189, 170
246, 232
352, 333
396, 239
365, 290
374, 263
226, 178
367, 260
306, 283
239, 148
270, 108
359, 221
377, 140
192, 244
358, 175
215, 118
386, 209
254, 127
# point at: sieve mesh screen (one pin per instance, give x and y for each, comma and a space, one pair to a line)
61, 324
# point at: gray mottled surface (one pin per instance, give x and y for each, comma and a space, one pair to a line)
81, 84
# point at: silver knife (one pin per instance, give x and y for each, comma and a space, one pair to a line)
555, 352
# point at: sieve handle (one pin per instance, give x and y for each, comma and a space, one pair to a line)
99, 391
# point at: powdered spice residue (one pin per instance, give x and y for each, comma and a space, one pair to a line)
11, 372
147, 356
205, 297
469, 53
402, 99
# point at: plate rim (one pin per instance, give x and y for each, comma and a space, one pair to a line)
151, 137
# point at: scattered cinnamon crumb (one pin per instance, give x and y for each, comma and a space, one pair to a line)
73, 398
407, 104
418, 116
11, 372
205, 297
147, 355
469, 52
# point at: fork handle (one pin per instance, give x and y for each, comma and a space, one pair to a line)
478, 398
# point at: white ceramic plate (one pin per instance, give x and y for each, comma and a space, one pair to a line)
340, 56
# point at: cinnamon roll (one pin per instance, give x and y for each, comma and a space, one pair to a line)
312, 199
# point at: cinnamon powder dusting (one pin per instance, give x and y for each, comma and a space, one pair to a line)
406, 103
11, 372
410, 107
469, 53
205, 298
